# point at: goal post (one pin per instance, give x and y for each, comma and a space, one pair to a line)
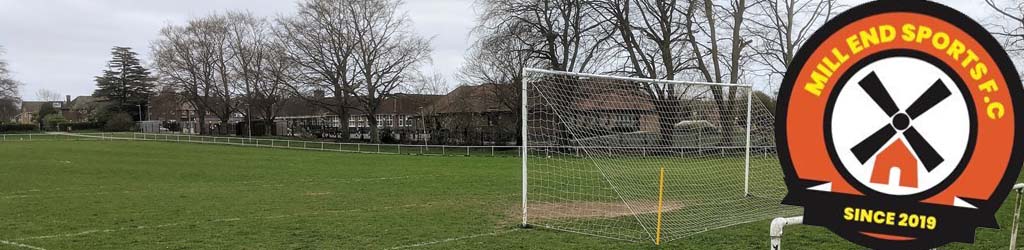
593, 147
525, 147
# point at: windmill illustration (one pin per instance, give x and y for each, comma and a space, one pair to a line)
901, 122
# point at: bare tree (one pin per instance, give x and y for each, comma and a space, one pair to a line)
497, 59
566, 34
195, 60
259, 65
1008, 25
387, 53
651, 38
427, 84
48, 95
780, 27
705, 28
273, 92
651, 42
165, 104
8, 86
318, 40
8, 92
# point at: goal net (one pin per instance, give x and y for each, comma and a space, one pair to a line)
596, 147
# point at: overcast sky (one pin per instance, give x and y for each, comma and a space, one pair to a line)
61, 45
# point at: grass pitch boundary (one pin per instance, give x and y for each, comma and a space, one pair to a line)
20, 245
233, 219
466, 237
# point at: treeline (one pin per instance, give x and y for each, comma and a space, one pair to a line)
338, 55
724, 41
344, 56
9, 96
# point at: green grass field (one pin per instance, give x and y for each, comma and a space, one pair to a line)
158, 195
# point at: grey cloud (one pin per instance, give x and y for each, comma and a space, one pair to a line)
62, 44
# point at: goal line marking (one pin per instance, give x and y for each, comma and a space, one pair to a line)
20, 245
221, 220
37, 193
422, 244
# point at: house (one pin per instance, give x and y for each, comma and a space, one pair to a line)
396, 116
30, 110
82, 108
624, 115
471, 115
77, 110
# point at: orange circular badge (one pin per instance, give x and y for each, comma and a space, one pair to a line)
897, 126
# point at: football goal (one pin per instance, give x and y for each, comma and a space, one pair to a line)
639, 159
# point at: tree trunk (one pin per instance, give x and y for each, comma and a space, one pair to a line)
374, 130
269, 126
201, 123
223, 130
344, 132
666, 118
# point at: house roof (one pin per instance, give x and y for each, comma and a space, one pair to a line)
34, 106
83, 102
398, 104
406, 103
616, 100
295, 106
469, 99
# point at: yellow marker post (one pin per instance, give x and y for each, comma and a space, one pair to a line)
661, 191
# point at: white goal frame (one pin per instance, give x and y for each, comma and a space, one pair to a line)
524, 119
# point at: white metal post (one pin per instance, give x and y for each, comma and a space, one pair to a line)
1019, 189
522, 151
775, 231
746, 170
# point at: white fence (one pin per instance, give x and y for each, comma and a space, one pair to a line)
395, 149
406, 149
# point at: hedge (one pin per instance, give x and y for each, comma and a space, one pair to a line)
4, 128
75, 126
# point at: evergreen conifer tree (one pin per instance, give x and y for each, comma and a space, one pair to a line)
125, 85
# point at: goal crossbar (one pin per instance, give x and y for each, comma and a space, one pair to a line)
632, 79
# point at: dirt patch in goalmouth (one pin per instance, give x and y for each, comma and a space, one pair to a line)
578, 210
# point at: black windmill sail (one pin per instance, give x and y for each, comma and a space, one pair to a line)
901, 121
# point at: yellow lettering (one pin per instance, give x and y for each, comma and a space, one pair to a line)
908, 32
818, 84
923, 32
958, 48
839, 56
979, 71
941, 40
989, 86
869, 37
971, 57
996, 111
854, 44
887, 33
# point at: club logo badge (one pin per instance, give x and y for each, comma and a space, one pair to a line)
897, 126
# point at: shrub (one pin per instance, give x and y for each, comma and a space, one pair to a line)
119, 122
54, 122
387, 137
75, 126
6, 128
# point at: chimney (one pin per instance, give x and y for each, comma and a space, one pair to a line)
68, 98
